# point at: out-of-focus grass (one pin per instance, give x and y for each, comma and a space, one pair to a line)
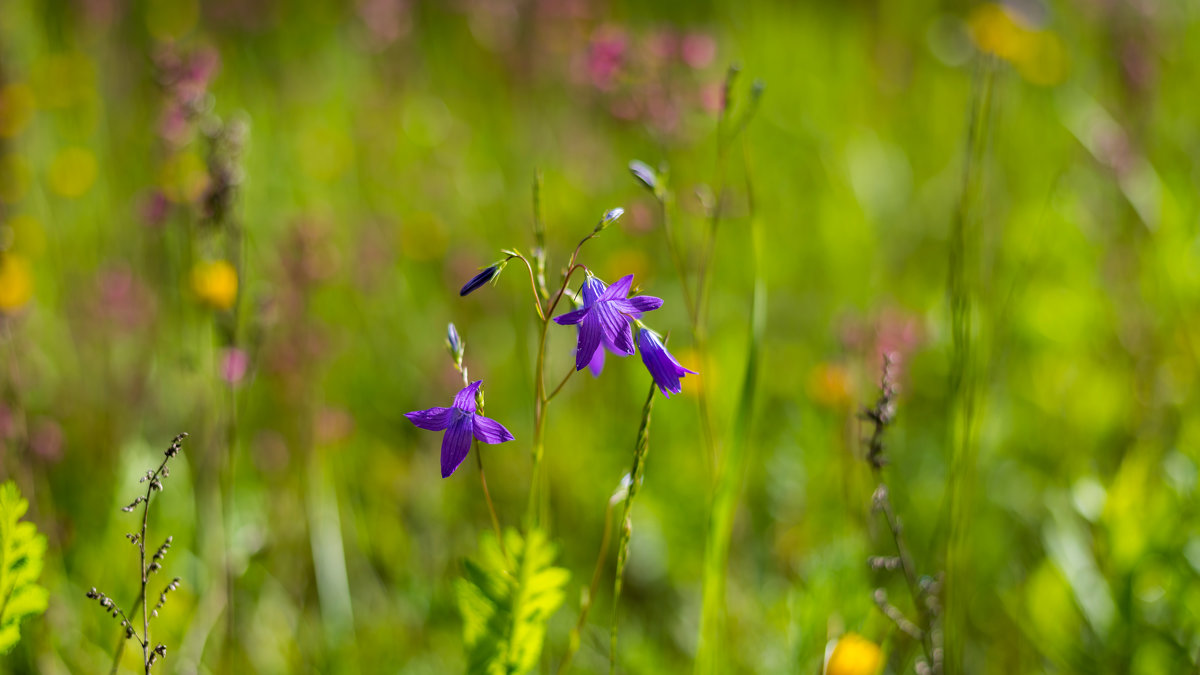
391, 150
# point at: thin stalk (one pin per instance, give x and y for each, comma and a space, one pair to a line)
538, 497
537, 302
145, 636
677, 258
708, 436
145, 608
577, 632
730, 475
487, 495
230, 477
560, 385
963, 244
880, 416
120, 650
883, 501
636, 472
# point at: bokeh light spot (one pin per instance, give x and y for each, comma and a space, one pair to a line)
72, 172
16, 283
17, 105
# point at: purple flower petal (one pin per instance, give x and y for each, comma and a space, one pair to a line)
593, 288
616, 327
590, 333
596, 365
618, 290
571, 318
637, 304
490, 431
434, 419
456, 443
465, 399
663, 367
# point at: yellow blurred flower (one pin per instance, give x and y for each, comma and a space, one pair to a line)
16, 108
72, 172
854, 655
1038, 55
830, 385
215, 283
16, 283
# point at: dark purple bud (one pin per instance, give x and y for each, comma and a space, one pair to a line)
485, 275
644, 175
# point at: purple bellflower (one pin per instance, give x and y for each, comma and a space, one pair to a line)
606, 319
460, 423
663, 367
593, 288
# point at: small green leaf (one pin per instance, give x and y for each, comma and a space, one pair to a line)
21, 553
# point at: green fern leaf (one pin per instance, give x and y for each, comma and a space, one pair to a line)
506, 598
21, 552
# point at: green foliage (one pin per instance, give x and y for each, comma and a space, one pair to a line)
21, 551
506, 598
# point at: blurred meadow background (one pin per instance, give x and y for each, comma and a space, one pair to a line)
250, 220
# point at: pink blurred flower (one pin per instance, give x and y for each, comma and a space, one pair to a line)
606, 57
121, 300
155, 208
663, 46
386, 20
711, 96
175, 123
46, 440
196, 71
698, 50
892, 332
898, 333
234, 364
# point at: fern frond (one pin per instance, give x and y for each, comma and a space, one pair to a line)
21, 551
506, 602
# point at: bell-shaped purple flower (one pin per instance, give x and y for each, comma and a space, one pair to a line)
593, 288
460, 423
606, 319
663, 367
